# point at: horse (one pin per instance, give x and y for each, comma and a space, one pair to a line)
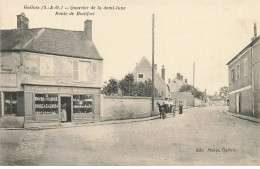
162, 109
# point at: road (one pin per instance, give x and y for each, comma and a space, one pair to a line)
200, 136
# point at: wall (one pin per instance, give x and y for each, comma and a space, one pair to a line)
127, 107
256, 79
176, 84
244, 80
245, 102
60, 70
185, 97
145, 67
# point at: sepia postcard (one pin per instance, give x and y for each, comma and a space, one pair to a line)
129, 83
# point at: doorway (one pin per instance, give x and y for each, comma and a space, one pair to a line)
238, 103
66, 100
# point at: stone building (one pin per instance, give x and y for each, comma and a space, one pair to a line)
143, 71
42, 69
244, 79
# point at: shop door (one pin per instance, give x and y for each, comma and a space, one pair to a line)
237, 102
67, 102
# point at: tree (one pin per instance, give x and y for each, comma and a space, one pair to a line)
223, 93
127, 85
195, 92
112, 87
131, 88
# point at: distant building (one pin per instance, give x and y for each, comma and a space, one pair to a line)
244, 79
177, 83
42, 69
143, 71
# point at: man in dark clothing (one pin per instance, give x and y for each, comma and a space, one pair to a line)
180, 108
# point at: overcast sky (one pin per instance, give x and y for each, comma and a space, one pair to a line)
208, 32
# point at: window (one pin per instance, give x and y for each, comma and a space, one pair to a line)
140, 76
81, 71
232, 76
245, 67
238, 72
10, 102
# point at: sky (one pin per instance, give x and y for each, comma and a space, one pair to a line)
207, 32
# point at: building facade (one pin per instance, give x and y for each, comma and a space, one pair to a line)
244, 83
42, 69
177, 83
143, 71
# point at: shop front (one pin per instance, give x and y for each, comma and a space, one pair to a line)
48, 104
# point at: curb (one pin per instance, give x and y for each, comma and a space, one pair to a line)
92, 123
243, 117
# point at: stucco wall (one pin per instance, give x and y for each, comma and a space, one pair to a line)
62, 70
245, 102
127, 107
244, 80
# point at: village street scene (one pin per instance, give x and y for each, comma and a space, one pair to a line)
138, 91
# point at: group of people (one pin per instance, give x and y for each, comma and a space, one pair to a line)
168, 107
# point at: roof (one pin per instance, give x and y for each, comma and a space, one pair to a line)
48, 41
242, 51
144, 60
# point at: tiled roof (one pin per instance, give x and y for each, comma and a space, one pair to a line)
49, 41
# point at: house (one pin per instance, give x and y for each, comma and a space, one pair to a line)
143, 71
42, 69
244, 79
177, 83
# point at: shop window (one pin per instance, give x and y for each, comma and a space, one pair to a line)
10, 103
46, 103
82, 104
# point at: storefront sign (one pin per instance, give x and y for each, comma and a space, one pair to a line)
8, 80
71, 90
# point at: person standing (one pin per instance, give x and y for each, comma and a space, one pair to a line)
180, 107
63, 113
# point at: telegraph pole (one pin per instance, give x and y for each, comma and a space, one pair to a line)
193, 83
153, 64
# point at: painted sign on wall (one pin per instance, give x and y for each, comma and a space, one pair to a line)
46, 66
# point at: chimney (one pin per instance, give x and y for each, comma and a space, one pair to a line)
255, 33
163, 73
169, 80
181, 77
155, 67
88, 29
178, 76
22, 21
186, 81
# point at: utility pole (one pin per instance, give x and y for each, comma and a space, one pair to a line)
193, 74
193, 83
153, 64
